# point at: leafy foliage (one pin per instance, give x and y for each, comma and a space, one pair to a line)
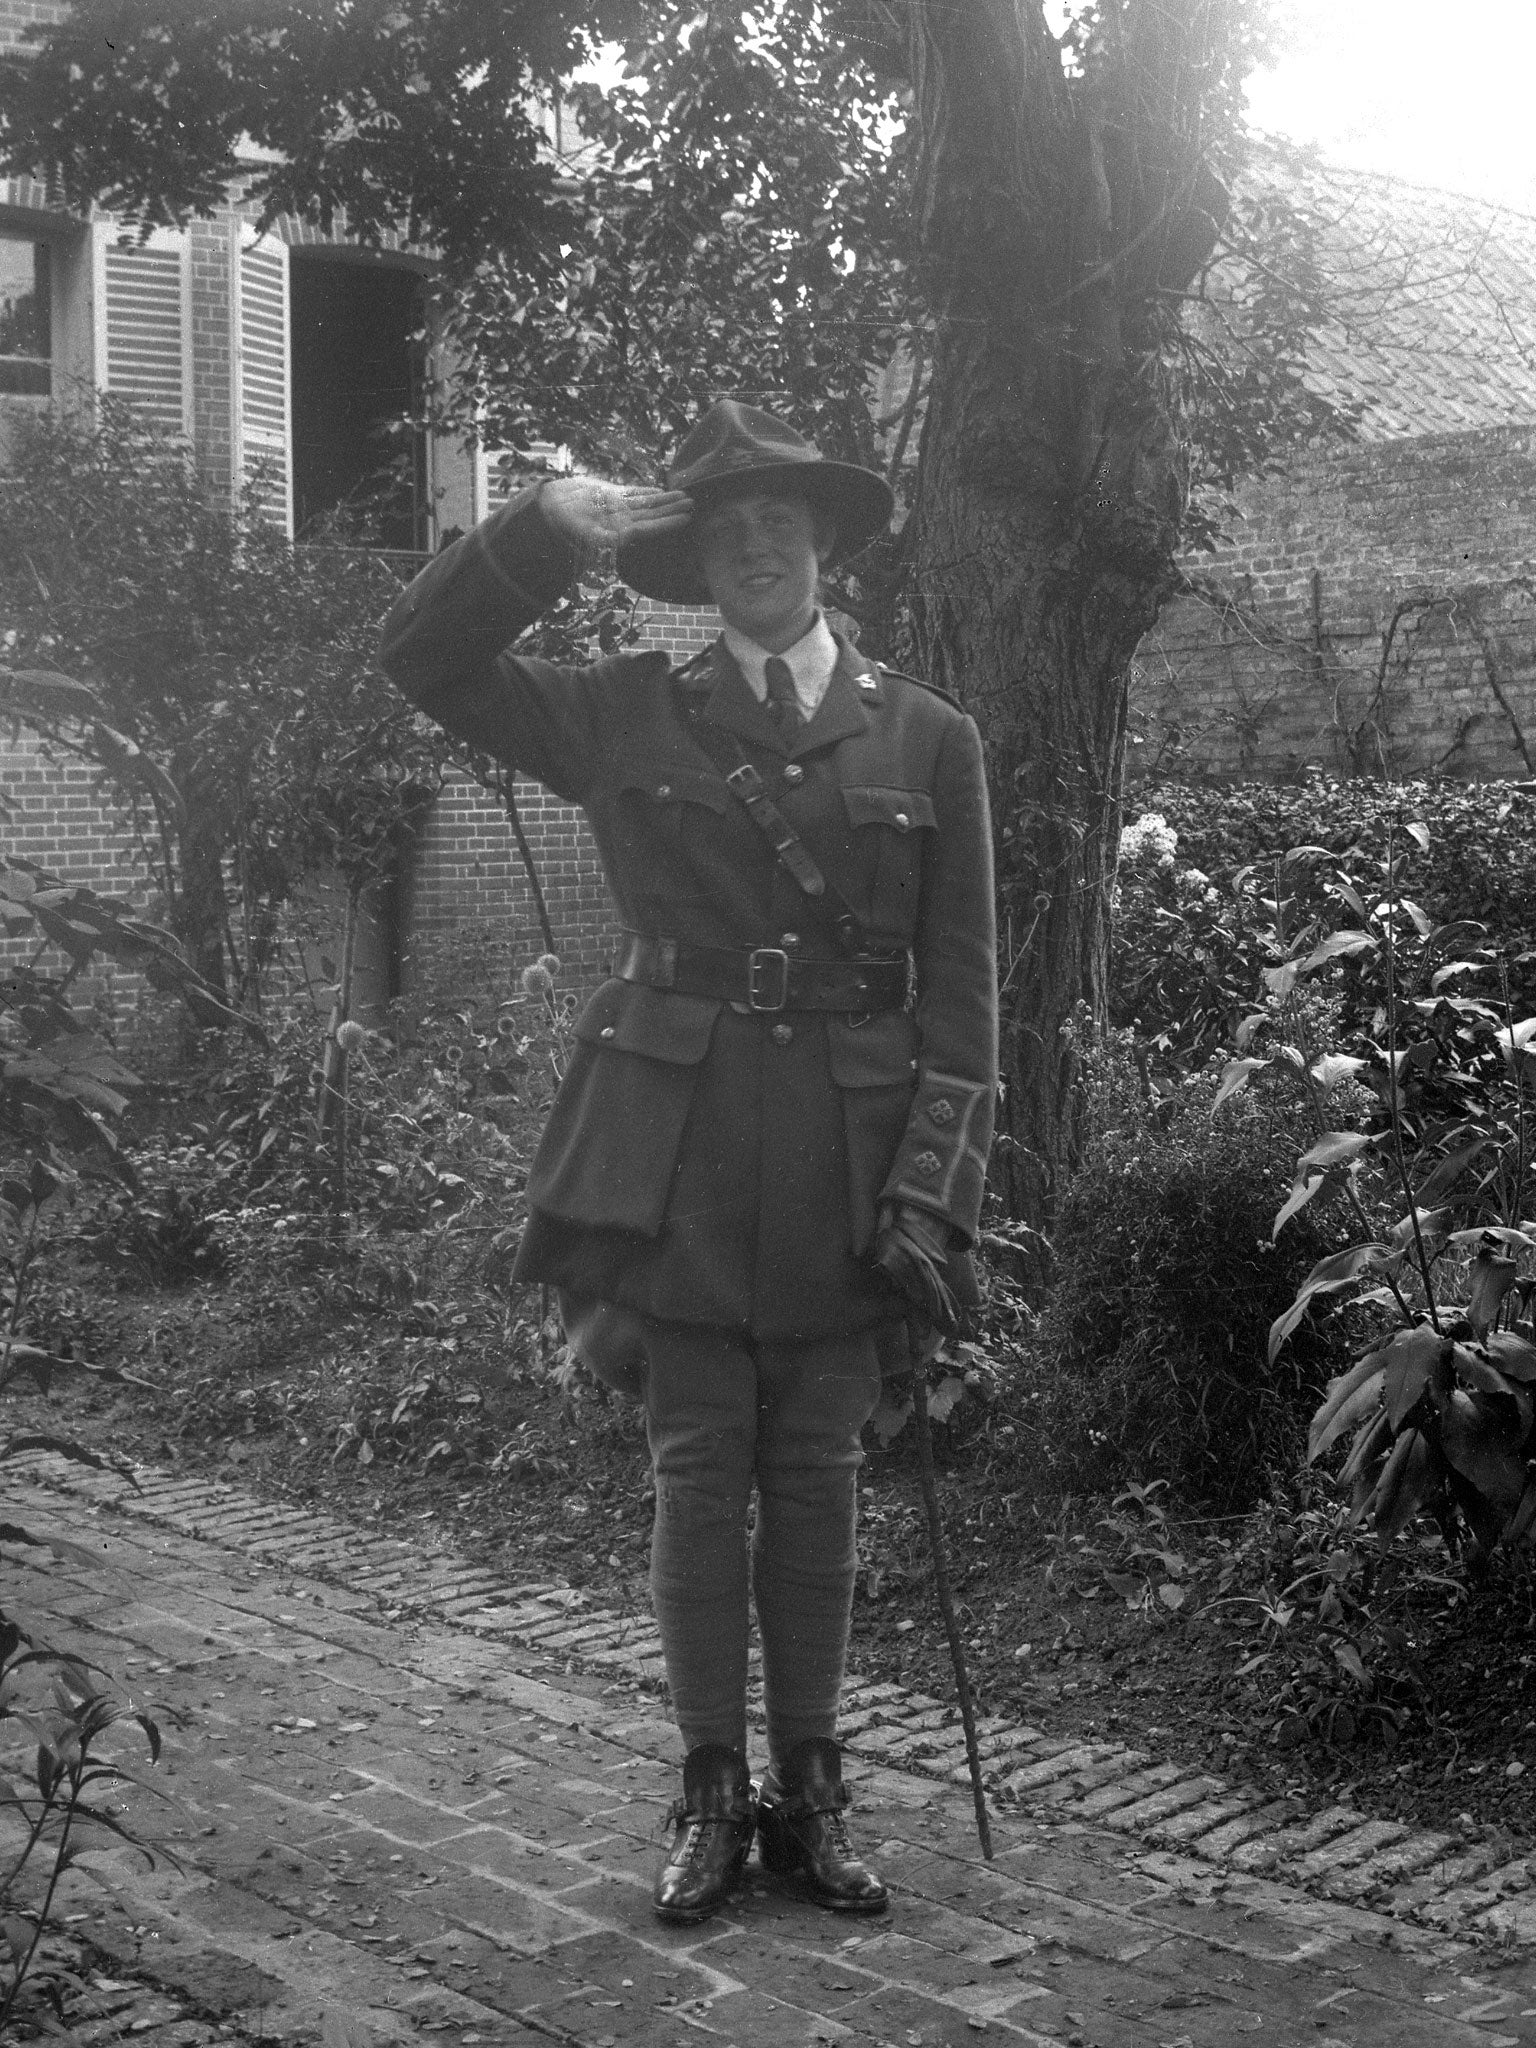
57, 1719
1438, 1408
234, 709
1147, 1361
376, 112
1203, 870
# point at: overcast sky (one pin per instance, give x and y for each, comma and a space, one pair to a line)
1441, 95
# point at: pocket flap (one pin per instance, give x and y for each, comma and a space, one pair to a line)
881, 1053
625, 1016
666, 782
903, 810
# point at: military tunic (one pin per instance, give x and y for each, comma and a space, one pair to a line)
705, 1163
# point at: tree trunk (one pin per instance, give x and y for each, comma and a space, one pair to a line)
1048, 511
201, 913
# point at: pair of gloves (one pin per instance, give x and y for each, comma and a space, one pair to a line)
912, 1250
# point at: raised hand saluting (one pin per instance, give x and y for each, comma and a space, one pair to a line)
596, 516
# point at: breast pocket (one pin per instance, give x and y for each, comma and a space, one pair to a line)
891, 828
664, 825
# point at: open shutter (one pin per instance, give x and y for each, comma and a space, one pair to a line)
147, 333
266, 424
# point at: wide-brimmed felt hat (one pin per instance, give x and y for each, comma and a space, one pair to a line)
735, 448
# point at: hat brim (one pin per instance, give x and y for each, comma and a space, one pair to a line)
858, 503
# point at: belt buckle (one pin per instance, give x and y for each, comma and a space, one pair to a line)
764, 993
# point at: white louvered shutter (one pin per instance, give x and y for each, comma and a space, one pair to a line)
504, 471
266, 422
147, 333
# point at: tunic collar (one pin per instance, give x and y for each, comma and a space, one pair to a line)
810, 661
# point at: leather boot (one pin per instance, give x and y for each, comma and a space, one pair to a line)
802, 1836
714, 1821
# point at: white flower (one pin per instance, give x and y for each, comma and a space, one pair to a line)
1150, 837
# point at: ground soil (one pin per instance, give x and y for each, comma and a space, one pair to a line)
1084, 1618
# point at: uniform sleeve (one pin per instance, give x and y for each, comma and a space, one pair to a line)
444, 644
941, 1164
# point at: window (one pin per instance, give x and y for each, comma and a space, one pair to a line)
26, 345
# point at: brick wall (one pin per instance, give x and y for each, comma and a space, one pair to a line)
1374, 612
53, 814
17, 16
468, 913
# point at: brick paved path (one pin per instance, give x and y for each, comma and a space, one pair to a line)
396, 1829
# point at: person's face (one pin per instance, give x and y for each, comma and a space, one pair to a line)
761, 557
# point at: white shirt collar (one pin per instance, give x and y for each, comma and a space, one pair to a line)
811, 661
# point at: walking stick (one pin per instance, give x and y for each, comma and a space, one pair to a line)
942, 1585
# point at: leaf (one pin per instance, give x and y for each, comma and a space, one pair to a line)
1404, 1485
1419, 834
1423, 923
1494, 1234
1326, 1277
1281, 980
1493, 1274
1338, 946
943, 1397
1431, 1232
1235, 1076
1524, 1520
1350, 1658
1302, 1193
1350, 1398
1514, 1356
891, 1415
1484, 1447
1371, 1441
1454, 967
1334, 1148
1333, 1068
1414, 1360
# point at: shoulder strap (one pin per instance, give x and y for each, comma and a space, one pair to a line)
748, 787
923, 683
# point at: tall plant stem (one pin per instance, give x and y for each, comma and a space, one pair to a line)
1515, 1202
1350, 1191
1394, 1090
946, 1595
60, 1863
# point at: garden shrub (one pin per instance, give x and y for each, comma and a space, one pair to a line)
1148, 1359
1193, 928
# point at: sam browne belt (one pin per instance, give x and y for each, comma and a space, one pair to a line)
766, 978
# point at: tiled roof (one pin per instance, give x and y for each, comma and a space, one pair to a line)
1432, 326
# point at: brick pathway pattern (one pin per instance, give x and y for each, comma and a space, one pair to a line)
412, 1800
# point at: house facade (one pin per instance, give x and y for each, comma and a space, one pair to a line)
285, 362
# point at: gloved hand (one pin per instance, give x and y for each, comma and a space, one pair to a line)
911, 1249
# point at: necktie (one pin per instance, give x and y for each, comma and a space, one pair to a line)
782, 701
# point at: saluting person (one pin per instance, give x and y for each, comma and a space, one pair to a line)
776, 1118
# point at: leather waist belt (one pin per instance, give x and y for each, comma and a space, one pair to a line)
767, 978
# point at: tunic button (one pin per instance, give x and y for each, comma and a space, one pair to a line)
902, 821
794, 772
606, 1032
781, 1034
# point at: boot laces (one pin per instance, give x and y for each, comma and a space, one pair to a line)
837, 1828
